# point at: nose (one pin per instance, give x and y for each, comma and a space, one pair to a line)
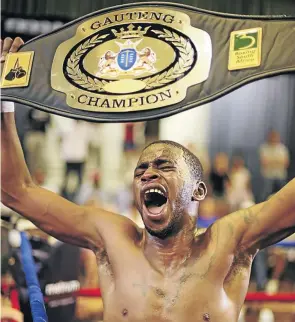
149, 176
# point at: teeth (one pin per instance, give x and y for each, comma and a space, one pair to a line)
155, 190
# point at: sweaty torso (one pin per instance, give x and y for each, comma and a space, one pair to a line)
209, 286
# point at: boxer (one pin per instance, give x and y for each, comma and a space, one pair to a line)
170, 270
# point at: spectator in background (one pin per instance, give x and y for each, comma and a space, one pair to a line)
274, 162
129, 143
134, 135
75, 140
239, 188
139, 133
35, 139
88, 309
218, 176
208, 212
91, 194
96, 140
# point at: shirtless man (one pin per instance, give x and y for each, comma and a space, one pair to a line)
168, 271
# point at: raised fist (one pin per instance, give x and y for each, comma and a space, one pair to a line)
9, 45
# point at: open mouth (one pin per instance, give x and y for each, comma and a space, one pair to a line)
155, 200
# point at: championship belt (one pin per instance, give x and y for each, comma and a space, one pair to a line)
144, 61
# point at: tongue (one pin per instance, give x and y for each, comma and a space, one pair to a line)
155, 210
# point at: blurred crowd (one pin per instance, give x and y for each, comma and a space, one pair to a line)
73, 169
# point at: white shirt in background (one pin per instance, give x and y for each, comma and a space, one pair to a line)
239, 191
75, 138
240, 179
274, 153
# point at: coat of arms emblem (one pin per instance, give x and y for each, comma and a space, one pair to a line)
128, 59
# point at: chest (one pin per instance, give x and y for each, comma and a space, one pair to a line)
135, 290
131, 269
143, 294
186, 298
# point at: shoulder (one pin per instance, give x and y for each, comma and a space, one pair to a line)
112, 225
214, 231
219, 239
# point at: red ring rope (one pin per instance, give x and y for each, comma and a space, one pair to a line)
251, 297
282, 297
89, 292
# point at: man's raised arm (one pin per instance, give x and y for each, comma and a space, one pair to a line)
55, 215
264, 224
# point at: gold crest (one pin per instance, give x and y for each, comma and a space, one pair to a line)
17, 69
131, 60
245, 49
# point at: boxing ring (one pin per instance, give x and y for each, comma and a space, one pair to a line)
196, 42
278, 303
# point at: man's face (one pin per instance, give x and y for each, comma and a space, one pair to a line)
221, 162
274, 137
162, 188
238, 162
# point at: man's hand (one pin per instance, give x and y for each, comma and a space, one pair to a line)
9, 45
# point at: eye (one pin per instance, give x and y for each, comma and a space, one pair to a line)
138, 174
167, 168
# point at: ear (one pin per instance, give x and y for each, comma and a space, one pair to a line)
199, 192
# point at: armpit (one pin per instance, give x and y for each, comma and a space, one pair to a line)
240, 266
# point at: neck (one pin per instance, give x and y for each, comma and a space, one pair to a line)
167, 255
